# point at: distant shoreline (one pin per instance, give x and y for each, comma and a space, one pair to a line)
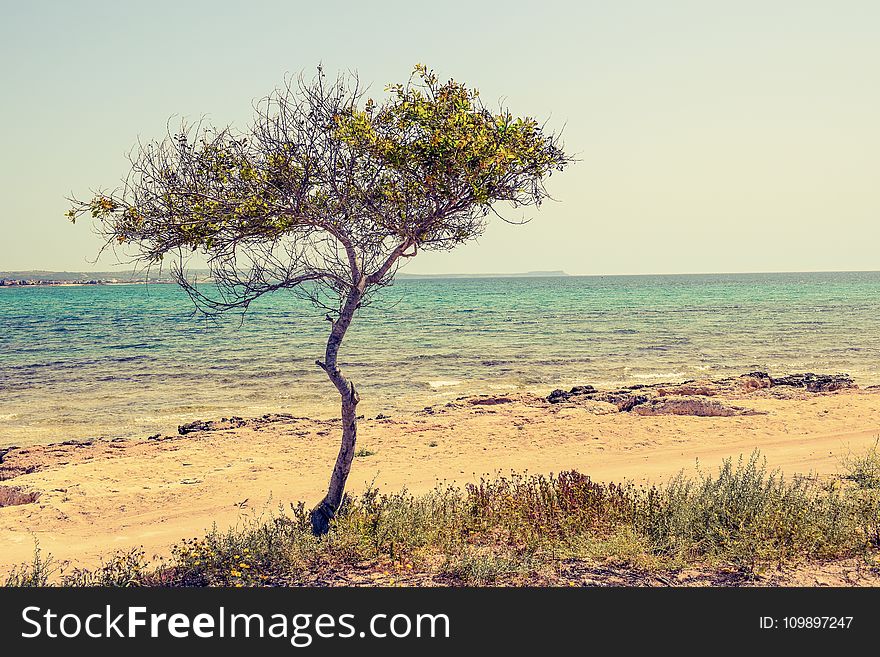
96, 283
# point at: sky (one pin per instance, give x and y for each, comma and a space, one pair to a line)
711, 136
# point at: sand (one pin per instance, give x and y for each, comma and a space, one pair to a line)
102, 496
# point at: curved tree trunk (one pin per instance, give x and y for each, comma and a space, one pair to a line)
323, 513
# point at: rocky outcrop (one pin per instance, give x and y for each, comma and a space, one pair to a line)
808, 381
816, 382
646, 398
706, 389
697, 406
489, 400
12, 496
624, 399
755, 381
201, 425
561, 395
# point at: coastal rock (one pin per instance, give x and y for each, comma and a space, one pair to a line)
624, 399
816, 382
691, 388
697, 406
12, 496
490, 400
201, 425
10, 467
629, 397
559, 395
192, 427
755, 381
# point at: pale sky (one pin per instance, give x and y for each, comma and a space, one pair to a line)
713, 136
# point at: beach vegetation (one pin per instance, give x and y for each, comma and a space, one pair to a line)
522, 529
863, 468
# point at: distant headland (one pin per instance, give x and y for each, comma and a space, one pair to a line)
40, 277
43, 278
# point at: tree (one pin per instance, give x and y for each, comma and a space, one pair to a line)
326, 194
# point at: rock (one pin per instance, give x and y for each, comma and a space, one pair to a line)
816, 382
76, 443
233, 422
755, 381
490, 400
697, 406
560, 395
382, 416
623, 400
706, 389
13, 496
191, 427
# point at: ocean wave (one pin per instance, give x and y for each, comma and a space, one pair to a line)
654, 376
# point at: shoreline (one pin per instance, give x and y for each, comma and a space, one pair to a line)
80, 284
102, 495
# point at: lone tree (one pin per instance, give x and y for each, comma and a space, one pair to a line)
325, 195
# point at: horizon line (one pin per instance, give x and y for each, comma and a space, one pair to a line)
537, 273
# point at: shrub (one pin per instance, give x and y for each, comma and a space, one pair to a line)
39, 572
863, 469
502, 529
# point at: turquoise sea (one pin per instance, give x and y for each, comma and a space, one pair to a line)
132, 360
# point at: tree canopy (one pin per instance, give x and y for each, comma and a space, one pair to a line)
327, 190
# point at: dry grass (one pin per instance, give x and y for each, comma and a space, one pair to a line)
513, 529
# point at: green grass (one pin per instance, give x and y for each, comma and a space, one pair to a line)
513, 528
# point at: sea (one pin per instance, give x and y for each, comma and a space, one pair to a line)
101, 361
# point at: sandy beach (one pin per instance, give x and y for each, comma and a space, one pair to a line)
96, 497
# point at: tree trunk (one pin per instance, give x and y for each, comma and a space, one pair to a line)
324, 512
